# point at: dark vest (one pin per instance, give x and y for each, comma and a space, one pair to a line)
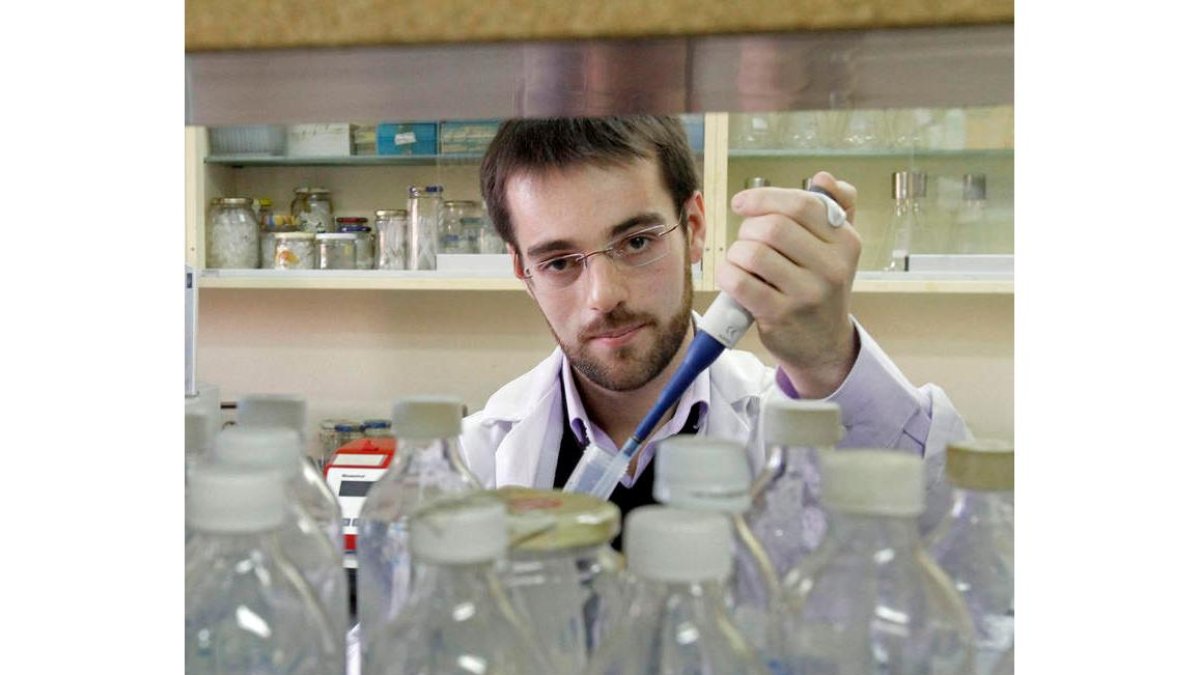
626, 498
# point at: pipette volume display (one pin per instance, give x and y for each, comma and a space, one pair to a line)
725, 322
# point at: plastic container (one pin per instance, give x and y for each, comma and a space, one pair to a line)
459, 620
427, 464
312, 209
870, 599
391, 228
677, 620
247, 609
562, 572
336, 250
232, 235
974, 544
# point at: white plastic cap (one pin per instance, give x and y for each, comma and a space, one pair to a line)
676, 545
229, 499
813, 424
427, 417
460, 530
694, 472
197, 432
872, 482
272, 410
983, 464
276, 448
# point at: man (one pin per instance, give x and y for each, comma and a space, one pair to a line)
603, 219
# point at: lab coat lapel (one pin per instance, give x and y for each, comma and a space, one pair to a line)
537, 430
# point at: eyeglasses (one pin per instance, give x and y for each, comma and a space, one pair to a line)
630, 251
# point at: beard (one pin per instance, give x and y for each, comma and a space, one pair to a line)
627, 369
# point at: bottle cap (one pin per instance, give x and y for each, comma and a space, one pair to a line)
908, 184
384, 214
757, 182
272, 410
275, 448
461, 529
427, 417
197, 435
696, 472
676, 545
377, 424
975, 186
346, 427
552, 520
814, 424
222, 498
983, 464
872, 482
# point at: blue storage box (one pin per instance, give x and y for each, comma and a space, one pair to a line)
416, 138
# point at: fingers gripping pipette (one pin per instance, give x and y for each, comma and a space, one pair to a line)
725, 322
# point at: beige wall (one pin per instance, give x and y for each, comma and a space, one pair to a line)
351, 353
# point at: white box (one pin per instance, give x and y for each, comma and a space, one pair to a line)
476, 264
319, 140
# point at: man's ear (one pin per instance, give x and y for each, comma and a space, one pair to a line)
518, 268
697, 228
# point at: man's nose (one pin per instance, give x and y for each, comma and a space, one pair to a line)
606, 283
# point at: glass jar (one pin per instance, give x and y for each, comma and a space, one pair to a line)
377, 428
345, 432
364, 241
232, 236
424, 224
391, 229
460, 227
489, 238
335, 250
293, 250
562, 575
312, 207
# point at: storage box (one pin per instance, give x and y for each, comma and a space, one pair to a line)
318, 140
417, 138
469, 137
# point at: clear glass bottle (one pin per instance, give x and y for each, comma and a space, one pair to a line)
232, 234
458, 619
427, 464
707, 474
301, 538
906, 221
312, 209
786, 514
309, 488
336, 250
677, 621
562, 573
391, 227
424, 223
247, 609
974, 544
972, 230
870, 599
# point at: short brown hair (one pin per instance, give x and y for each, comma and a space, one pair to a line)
538, 145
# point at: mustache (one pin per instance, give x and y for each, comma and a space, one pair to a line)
614, 322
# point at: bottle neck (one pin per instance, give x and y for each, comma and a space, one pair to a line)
416, 457
982, 507
874, 533
454, 584
704, 598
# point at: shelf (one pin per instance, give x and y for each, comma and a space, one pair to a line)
797, 153
354, 280
351, 160
865, 282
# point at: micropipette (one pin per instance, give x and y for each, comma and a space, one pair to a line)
725, 322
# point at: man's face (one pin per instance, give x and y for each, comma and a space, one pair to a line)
618, 326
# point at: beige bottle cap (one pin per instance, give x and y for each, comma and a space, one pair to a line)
815, 424
427, 417
552, 520
984, 464
460, 529
872, 482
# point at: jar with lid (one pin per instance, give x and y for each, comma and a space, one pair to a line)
489, 238
377, 428
391, 229
460, 227
335, 250
424, 223
231, 240
346, 431
293, 250
563, 576
364, 241
312, 207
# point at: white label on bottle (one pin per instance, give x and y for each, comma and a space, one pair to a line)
406, 138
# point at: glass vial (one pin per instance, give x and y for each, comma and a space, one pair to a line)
907, 188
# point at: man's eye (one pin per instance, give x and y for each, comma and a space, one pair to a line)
556, 265
638, 242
